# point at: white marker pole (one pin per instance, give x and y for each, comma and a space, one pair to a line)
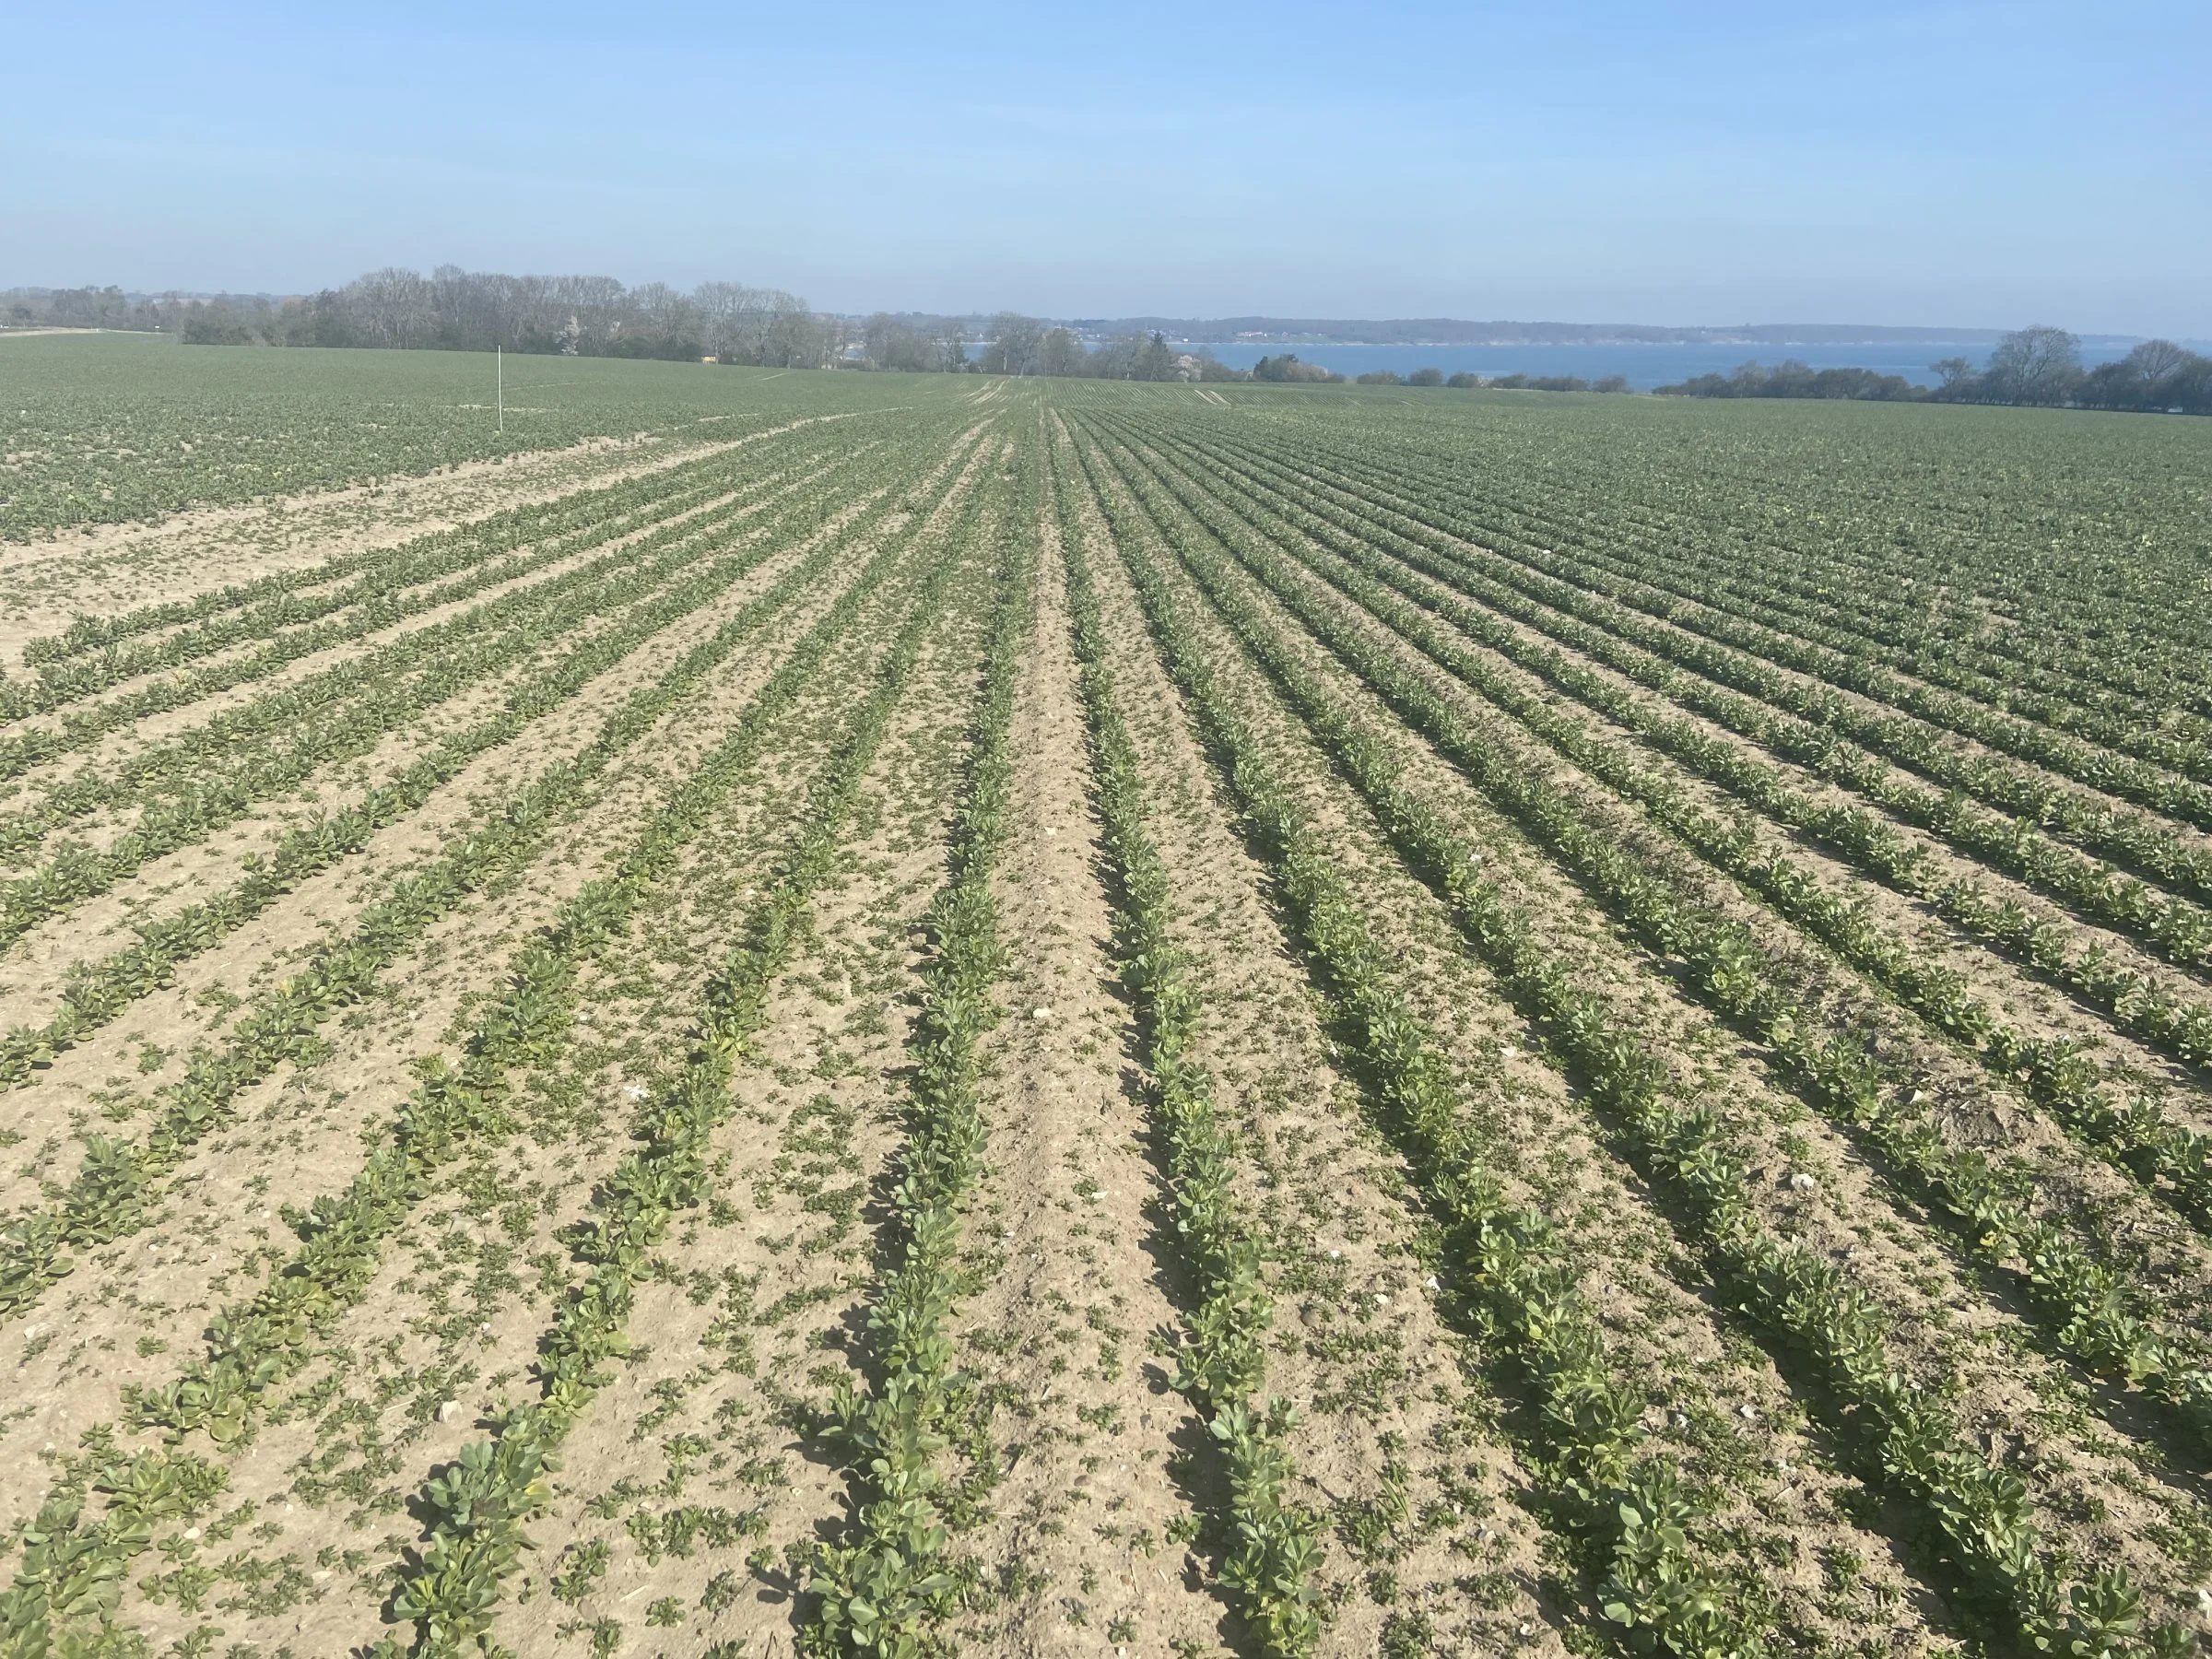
498, 371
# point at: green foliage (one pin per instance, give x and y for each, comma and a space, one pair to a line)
96, 993
1221, 1362
109, 1197
1716, 676
449, 1586
113, 427
884, 1588
1798, 1295
1631, 1505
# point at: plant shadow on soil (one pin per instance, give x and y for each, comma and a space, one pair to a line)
1197, 1472
2130, 1412
1946, 1605
2133, 1413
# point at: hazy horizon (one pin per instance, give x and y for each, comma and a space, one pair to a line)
1842, 332
1967, 166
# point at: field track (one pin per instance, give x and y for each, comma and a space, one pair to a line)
897, 1015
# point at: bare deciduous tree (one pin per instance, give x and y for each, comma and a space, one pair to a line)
1015, 341
2038, 364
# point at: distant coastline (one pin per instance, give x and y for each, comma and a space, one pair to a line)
1274, 332
1645, 364
117, 308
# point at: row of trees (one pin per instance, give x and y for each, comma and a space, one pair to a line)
1463, 381
596, 316
1013, 343
239, 317
2038, 366
1793, 379
455, 309
1285, 369
2043, 366
580, 316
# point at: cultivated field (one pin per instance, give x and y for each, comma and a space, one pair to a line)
885, 1014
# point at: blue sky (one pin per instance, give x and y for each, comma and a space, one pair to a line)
1584, 159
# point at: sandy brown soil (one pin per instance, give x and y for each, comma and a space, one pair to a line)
178, 877
414, 1350
1089, 1508
1397, 1445
95, 1083
315, 1115
107, 567
471, 1331
1979, 1107
713, 517
1074, 1286
1949, 1324
1703, 1377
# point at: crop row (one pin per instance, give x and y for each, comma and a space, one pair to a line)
2177, 1024
1656, 574
76, 664
2132, 1129
122, 428
1432, 501
1992, 523
2093, 1309
1819, 730
94, 993
72, 1568
638, 542
2060, 673
257, 1343
194, 759
2126, 836
2053, 675
477, 1508
879, 1588
609, 509
198, 805
107, 1198
79, 727
1800, 1298
1626, 1502
1222, 1360
296, 624
1925, 555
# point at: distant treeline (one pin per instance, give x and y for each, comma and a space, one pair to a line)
1287, 370
111, 308
577, 316
1454, 331
1463, 381
529, 311
1013, 343
730, 323
453, 309
2039, 366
